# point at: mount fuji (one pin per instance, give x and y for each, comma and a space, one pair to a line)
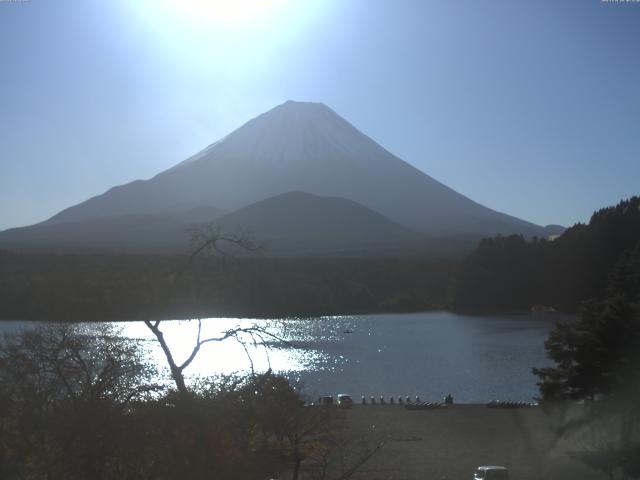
298, 147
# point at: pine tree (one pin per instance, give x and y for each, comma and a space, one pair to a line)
598, 358
596, 355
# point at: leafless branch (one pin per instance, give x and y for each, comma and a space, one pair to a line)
211, 238
177, 370
246, 351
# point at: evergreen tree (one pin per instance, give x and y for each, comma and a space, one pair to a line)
598, 358
596, 355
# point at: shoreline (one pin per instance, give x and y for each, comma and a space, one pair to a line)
263, 317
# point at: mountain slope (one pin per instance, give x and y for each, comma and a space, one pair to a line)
306, 147
297, 223
144, 233
130, 233
291, 224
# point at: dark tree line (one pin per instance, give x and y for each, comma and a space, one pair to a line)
127, 287
514, 274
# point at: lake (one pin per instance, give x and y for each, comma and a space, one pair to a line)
475, 358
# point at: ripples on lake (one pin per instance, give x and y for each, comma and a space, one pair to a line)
428, 354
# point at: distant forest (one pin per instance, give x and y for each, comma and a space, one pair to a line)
503, 274
128, 287
513, 274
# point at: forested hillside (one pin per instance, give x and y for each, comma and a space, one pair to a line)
511, 273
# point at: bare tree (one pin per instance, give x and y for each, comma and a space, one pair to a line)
257, 335
210, 239
315, 440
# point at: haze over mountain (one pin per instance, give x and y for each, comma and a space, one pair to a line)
295, 147
134, 233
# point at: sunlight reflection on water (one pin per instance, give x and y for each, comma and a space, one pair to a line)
428, 354
231, 356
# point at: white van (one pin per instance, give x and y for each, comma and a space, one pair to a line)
491, 472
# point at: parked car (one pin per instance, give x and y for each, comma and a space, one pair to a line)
491, 472
345, 401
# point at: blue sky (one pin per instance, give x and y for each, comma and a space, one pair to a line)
528, 107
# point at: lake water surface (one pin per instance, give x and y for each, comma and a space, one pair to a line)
477, 358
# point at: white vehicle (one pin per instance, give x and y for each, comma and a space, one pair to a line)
491, 472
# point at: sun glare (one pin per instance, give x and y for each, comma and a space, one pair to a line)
226, 12
236, 34
221, 13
